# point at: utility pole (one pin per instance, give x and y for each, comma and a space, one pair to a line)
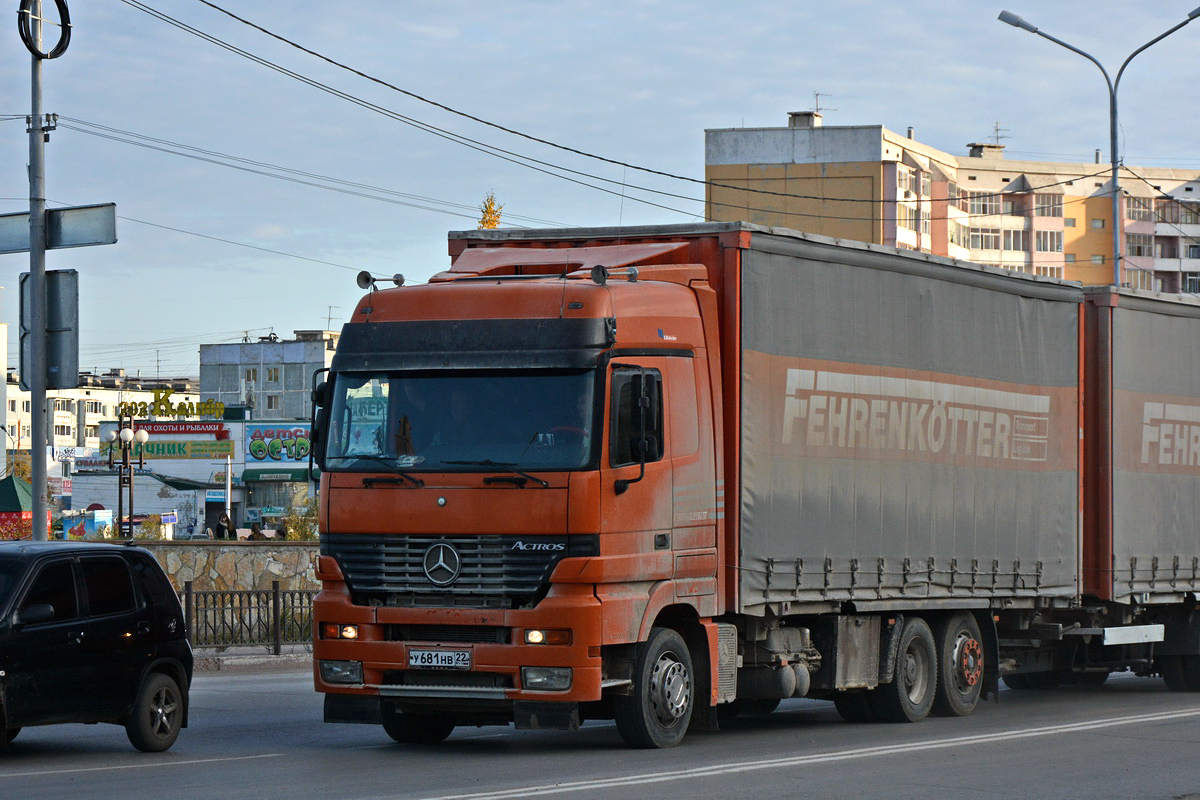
37, 278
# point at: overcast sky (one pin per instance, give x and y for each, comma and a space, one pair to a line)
634, 82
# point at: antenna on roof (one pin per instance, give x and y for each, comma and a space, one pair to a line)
817, 102
998, 133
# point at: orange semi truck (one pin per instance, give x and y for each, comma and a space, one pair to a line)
666, 475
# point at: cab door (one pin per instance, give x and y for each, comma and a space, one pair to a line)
637, 485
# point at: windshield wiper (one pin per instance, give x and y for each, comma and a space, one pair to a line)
508, 466
388, 462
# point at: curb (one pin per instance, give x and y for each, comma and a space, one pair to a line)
226, 662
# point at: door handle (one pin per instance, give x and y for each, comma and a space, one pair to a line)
143, 627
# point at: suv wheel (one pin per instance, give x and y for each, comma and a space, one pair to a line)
157, 714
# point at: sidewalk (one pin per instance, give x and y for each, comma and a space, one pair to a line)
294, 658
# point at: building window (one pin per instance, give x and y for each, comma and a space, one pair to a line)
272, 374
1016, 240
958, 234
1139, 209
1193, 251
91, 431
1139, 244
1097, 223
252, 375
25, 406
1048, 205
12, 431
1049, 241
272, 402
12, 406
1097, 259
983, 203
1191, 282
94, 407
906, 181
1068, 222
62, 430
985, 238
62, 405
926, 222
906, 216
1069, 258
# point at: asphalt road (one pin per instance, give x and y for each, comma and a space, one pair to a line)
257, 736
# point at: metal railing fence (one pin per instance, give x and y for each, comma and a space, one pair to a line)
269, 617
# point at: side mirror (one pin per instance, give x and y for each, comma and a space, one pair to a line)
32, 615
320, 395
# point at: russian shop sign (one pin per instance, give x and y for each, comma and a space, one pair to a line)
277, 443
162, 406
153, 449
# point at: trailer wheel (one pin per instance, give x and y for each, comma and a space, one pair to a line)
415, 728
854, 707
656, 713
1181, 673
960, 665
909, 697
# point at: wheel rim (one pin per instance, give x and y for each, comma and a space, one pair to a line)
163, 710
968, 662
915, 671
670, 689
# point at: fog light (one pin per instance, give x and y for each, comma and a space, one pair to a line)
551, 636
546, 679
336, 630
341, 671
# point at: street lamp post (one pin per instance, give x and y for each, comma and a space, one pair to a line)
1012, 19
124, 439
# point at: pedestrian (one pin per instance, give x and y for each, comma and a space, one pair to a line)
256, 534
225, 529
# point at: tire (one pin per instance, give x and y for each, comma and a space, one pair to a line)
1181, 673
960, 665
157, 714
657, 712
909, 697
416, 728
854, 707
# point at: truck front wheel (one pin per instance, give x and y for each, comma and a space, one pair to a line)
960, 665
909, 697
656, 713
1181, 673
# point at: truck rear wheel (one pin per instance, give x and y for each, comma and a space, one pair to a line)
909, 697
657, 712
1181, 673
415, 728
960, 665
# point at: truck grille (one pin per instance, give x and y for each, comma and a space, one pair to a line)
476, 634
495, 572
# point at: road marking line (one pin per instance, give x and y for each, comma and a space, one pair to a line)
865, 752
155, 765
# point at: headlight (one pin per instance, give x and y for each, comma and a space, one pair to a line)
547, 636
546, 679
336, 630
341, 671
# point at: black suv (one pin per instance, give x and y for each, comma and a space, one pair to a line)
91, 633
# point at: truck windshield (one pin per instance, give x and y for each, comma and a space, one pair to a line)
485, 421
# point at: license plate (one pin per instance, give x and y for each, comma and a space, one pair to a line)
440, 659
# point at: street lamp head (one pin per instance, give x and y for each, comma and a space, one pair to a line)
126, 435
1195, 12
1012, 19
141, 437
110, 436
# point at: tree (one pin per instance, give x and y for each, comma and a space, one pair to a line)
301, 521
490, 212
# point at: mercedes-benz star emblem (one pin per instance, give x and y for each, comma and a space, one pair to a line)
442, 564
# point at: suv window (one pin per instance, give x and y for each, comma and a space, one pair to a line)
10, 572
55, 586
108, 586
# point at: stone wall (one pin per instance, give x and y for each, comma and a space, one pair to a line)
226, 566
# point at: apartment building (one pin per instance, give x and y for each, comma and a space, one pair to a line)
73, 416
868, 183
269, 378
